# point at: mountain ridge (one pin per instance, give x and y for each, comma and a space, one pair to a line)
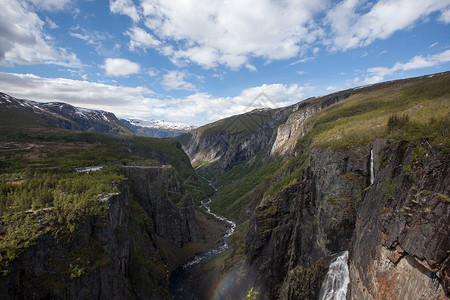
156, 128
27, 113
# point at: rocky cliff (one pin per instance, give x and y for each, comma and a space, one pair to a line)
400, 247
363, 170
113, 256
396, 228
226, 143
159, 190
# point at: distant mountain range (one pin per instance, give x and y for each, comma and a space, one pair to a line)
156, 128
21, 113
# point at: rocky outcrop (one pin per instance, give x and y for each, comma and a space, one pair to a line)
307, 222
113, 256
159, 190
233, 140
294, 128
400, 248
395, 229
268, 132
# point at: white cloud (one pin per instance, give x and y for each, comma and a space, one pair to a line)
142, 102
152, 72
23, 40
251, 68
174, 80
139, 38
303, 60
125, 7
377, 74
231, 33
51, 5
356, 23
99, 40
331, 88
226, 33
120, 67
50, 23
433, 45
445, 16
80, 36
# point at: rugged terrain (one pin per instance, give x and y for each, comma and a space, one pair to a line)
116, 232
363, 170
30, 114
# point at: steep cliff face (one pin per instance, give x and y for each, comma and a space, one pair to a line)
306, 223
396, 228
113, 256
400, 248
226, 143
294, 128
159, 190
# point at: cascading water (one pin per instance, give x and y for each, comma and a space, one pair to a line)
334, 287
372, 175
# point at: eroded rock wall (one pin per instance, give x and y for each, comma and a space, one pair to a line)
159, 190
396, 229
400, 249
113, 256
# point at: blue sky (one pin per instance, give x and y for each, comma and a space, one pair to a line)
198, 61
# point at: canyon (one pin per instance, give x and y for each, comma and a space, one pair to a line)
360, 174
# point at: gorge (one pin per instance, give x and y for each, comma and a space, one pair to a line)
345, 194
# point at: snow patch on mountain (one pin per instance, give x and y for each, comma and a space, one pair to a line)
160, 124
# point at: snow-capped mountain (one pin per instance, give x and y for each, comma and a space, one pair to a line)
156, 128
26, 113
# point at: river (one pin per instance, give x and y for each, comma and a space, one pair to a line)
179, 280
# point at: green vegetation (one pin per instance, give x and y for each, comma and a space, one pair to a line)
146, 257
236, 195
399, 111
55, 203
239, 125
413, 110
252, 294
42, 193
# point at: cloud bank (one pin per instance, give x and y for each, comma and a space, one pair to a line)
232, 33
23, 39
143, 102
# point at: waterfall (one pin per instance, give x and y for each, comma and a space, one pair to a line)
335, 284
372, 176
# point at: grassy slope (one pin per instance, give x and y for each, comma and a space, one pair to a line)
362, 117
239, 124
355, 120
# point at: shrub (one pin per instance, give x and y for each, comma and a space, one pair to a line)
396, 121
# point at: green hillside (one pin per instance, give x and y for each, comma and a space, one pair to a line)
39, 181
412, 110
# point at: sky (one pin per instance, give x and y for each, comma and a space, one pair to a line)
198, 61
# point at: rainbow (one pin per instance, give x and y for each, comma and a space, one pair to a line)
225, 283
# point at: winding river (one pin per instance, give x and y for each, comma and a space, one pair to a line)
179, 280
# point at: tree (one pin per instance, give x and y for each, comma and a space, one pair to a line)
252, 294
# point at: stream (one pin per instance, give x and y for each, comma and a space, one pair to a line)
179, 280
